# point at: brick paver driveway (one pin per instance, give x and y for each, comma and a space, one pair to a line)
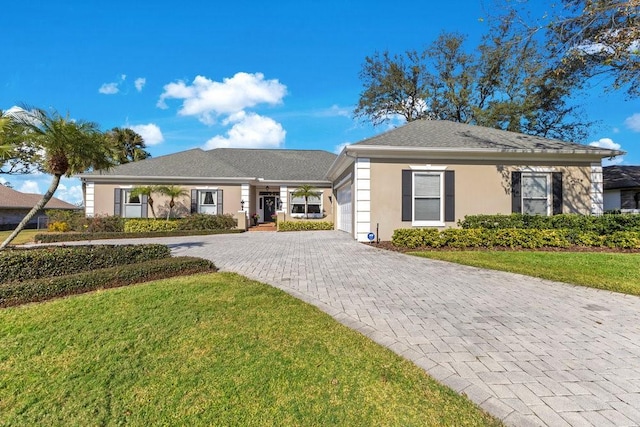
529, 351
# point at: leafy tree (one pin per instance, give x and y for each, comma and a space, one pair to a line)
64, 147
174, 192
15, 156
306, 191
503, 84
129, 145
586, 38
146, 191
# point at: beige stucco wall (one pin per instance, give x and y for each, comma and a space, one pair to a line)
104, 203
480, 188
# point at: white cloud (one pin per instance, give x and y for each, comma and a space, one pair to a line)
29, 186
109, 89
151, 133
208, 99
113, 87
633, 122
609, 144
249, 130
140, 82
71, 193
335, 111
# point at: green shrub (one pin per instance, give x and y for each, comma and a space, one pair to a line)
208, 222
77, 237
145, 225
416, 237
74, 219
304, 225
461, 238
602, 224
623, 240
51, 261
15, 293
103, 224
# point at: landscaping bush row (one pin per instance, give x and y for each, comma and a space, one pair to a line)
16, 293
603, 224
77, 237
304, 225
514, 238
36, 263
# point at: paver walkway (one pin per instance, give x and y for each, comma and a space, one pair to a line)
529, 351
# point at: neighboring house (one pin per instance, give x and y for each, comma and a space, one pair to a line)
427, 173
223, 180
621, 188
15, 205
431, 173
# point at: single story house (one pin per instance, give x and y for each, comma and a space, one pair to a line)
15, 205
427, 173
621, 188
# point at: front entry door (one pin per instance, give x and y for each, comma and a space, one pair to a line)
269, 208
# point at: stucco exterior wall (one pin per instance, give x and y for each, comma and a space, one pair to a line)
104, 199
480, 188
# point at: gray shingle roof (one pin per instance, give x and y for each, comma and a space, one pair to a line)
12, 199
443, 134
621, 177
273, 165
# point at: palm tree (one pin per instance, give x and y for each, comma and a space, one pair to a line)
306, 191
129, 145
147, 190
65, 147
174, 192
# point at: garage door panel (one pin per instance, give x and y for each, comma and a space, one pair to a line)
345, 212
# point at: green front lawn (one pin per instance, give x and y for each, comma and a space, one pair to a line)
618, 272
215, 349
25, 236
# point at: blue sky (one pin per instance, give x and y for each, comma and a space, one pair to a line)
245, 74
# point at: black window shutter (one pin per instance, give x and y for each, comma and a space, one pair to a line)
219, 209
557, 192
117, 203
407, 215
144, 200
516, 194
449, 196
194, 201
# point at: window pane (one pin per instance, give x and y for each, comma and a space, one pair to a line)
426, 210
534, 206
534, 186
208, 209
313, 209
297, 209
132, 211
427, 185
131, 199
206, 198
301, 200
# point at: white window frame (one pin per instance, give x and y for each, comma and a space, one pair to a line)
430, 172
125, 203
214, 194
549, 195
301, 215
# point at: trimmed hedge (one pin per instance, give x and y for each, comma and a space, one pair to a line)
16, 293
413, 238
77, 237
208, 222
25, 264
603, 224
304, 225
144, 225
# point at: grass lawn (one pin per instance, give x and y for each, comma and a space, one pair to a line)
214, 349
25, 236
619, 272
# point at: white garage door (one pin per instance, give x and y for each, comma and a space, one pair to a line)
345, 216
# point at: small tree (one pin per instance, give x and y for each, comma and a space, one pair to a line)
129, 146
148, 191
172, 191
306, 191
64, 146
